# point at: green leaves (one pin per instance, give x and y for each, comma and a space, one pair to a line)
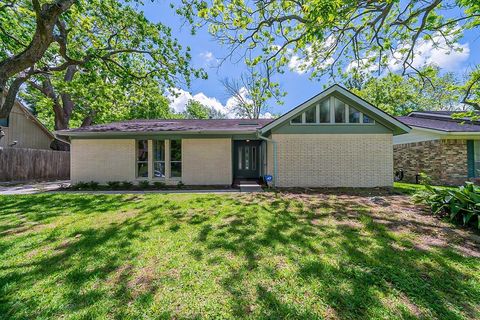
463, 201
124, 62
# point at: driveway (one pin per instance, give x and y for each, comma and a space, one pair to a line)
31, 187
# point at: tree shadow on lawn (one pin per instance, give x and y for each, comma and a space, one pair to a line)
355, 276
286, 256
86, 254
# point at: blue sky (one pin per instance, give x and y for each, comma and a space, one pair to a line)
205, 51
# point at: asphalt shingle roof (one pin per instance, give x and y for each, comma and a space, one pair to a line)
441, 121
148, 126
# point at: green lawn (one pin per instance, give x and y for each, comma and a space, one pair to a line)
185, 256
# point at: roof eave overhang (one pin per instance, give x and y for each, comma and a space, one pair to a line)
150, 133
452, 133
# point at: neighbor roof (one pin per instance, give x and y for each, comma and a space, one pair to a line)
440, 121
173, 125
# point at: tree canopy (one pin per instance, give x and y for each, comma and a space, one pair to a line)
88, 58
328, 36
399, 95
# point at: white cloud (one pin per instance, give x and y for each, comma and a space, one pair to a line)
303, 64
181, 97
208, 58
178, 102
232, 101
298, 65
266, 115
434, 51
207, 55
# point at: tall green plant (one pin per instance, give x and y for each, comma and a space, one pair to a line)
460, 204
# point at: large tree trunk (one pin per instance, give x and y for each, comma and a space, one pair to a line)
46, 19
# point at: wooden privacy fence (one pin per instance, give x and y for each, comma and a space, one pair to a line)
19, 164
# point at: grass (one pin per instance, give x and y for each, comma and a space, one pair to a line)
268, 256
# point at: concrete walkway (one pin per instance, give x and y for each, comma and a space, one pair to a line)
56, 186
7, 188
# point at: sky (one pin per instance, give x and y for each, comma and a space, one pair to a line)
206, 53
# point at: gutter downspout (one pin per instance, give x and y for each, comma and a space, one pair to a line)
274, 156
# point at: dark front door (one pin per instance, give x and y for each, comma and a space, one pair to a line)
246, 159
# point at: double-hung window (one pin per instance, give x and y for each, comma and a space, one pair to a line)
175, 158
142, 158
159, 158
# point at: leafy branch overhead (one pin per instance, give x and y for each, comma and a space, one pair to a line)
328, 36
104, 38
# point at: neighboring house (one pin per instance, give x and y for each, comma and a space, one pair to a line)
334, 139
23, 130
447, 150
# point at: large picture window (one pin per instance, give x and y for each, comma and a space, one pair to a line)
176, 158
142, 158
159, 159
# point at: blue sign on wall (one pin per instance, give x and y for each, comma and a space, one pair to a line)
268, 178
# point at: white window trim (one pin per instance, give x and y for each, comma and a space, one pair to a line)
167, 162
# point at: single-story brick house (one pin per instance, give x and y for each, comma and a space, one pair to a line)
446, 149
334, 139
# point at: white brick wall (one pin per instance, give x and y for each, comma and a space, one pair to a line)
207, 161
102, 160
334, 160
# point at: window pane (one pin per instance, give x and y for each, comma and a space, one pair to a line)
142, 150
367, 119
254, 158
311, 115
142, 169
4, 122
158, 150
247, 158
339, 111
476, 148
325, 111
240, 152
297, 119
176, 150
354, 116
159, 169
176, 169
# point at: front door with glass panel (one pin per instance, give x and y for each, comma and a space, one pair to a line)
246, 159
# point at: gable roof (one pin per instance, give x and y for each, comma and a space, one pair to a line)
396, 125
440, 121
209, 126
229, 126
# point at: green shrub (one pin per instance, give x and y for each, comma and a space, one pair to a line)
127, 185
180, 185
424, 179
92, 185
80, 186
114, 185
144, 184
159, 185
460, 204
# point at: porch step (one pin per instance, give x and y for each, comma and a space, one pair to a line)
249, 186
